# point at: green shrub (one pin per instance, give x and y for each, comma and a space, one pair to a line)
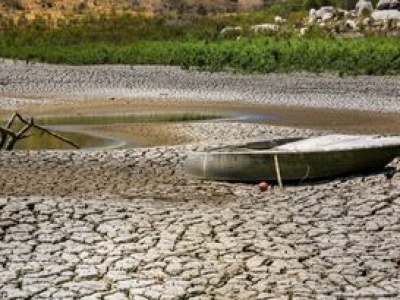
194, 43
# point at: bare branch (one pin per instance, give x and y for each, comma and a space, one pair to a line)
17, 115
18, 136
57, 136
3, 138
7, 131
47, 131
11, 120
14, 137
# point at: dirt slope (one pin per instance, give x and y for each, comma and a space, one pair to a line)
67, 7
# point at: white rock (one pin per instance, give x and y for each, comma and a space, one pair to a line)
385, 15
344, 13
279, 20
364, 6
327, 16
383, 4
303, 31
312, 17
231, 30
325, 13
325, 10
388, 4
367, 21
351, 24
265, 27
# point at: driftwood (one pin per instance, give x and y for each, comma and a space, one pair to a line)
9, 137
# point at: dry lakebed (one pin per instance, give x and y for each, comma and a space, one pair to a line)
128, 223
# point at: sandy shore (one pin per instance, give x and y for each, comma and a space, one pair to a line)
129, 224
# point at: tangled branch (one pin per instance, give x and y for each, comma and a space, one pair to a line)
9, 137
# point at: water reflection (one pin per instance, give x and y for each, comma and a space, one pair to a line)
255, 117
39, 140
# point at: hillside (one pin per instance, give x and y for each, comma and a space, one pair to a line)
67, 7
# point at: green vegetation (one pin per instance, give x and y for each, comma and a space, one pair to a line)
195, 43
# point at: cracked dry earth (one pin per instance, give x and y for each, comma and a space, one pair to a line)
129, 224
298, 242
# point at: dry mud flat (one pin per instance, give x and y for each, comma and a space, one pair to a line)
160, 82
129, 224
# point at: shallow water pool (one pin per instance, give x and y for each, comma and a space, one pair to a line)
83, 129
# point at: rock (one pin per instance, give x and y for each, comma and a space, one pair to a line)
364, 6
367, 22
312, 18
266, 27
325, 13
395, 4
230, 31
342, 13
279, 20
388, 4
383, 4
351, 25
385, 15
325, 10
327, 16
303, 31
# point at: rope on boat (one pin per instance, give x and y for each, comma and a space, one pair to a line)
307, 173
205, 166
278, 171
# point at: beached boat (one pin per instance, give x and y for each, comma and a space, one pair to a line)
294, 159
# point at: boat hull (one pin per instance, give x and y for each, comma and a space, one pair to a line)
293, 166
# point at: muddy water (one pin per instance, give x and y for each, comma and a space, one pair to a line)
39, 140
100, 130
115, 115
